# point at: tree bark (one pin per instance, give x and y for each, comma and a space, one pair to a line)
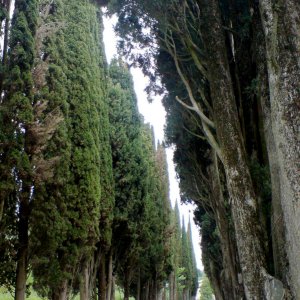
243, 200
171, 286
175, 291
127, 280
277, 219
102, 278
126, 289
138, 287
281, 25
113, 288
233, 288
110, 276
62, 292
147, 290
214, 277
164, 293
84, 284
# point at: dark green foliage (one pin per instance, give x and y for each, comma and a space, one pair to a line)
194, 276
186, 257
16, 115
129, 170
141, 235
210, 242
74, 208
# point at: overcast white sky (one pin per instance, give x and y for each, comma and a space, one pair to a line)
154, 113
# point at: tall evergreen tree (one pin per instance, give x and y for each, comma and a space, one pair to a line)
16, 148
141, 220
194, 270
71, 206
128, 171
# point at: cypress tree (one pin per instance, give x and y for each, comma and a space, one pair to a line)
194, 270
128, 171
70, 206
141, 219
186, 261
16, 116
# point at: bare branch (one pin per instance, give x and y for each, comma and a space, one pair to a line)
196, 106
184, 104
212, 141
194, 134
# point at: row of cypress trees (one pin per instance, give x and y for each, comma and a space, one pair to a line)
229, 74
83, 187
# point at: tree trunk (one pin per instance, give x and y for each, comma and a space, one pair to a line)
277, 220
126, 289
151, 293
175, 292
257, 283
171, 286
113, 288
232, 287
156, 290
164, 293
147, 290
62, 292
127, 280
84, 284
110, 276
138, 287
102, 278
281, 25
215, 282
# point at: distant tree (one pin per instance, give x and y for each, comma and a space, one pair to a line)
206, 292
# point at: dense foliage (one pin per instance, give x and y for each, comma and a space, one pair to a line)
84, 196
84, 188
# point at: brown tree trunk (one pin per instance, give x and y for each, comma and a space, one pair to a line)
147, 290
126, 288
62, 292
281, 24
138, 287
102, 278
127, 280
151, 290
175, 291
257, 283
84, 284
215, 282
171, 286
164, 293
113, 288
110, 276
